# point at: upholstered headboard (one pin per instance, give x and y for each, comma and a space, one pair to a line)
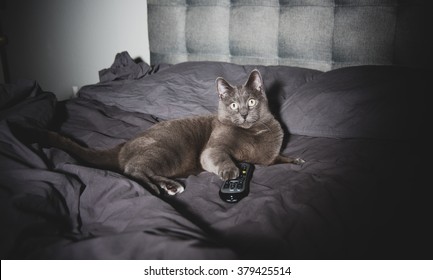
318, 34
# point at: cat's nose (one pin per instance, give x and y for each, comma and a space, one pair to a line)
244, 116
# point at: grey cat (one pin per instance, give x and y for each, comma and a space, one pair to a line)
243, 130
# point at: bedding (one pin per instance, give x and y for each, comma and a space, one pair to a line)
359, 129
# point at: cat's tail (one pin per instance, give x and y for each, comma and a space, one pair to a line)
104, 159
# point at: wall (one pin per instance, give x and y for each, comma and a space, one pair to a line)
64, 43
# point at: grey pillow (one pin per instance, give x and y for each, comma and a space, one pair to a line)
365, 101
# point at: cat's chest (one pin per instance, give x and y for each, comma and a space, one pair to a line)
261, 139
258, 145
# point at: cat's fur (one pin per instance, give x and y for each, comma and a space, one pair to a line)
243, 130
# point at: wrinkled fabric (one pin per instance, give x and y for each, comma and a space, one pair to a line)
124, 68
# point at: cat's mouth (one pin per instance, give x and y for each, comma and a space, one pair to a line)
244, 122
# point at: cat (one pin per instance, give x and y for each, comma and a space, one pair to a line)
243, 129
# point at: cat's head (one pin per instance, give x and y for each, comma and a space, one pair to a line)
245, 105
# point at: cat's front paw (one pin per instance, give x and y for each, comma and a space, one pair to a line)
228, 172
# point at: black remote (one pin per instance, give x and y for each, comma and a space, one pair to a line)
234, 190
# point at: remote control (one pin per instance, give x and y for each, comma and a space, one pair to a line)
234, 190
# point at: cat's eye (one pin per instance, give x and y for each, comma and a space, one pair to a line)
234, 106
252, 102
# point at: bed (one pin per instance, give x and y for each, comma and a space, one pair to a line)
351, 97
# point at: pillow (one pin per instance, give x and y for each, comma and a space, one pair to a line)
13, 93
25, 102
364, 102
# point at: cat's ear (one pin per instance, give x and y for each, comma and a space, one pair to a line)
255, 81
223, 87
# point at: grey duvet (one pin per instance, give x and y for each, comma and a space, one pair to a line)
358, 129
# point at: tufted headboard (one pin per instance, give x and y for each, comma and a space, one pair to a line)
317, 34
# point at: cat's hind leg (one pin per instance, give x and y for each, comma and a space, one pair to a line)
143, 179
285, 159
170, 186
155, 182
